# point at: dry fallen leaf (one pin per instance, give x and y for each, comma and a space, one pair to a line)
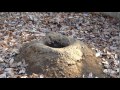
1, 60
9, 71
3, 75
98, 54
22, 71
90, 75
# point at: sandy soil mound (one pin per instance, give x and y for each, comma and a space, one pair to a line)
60, 56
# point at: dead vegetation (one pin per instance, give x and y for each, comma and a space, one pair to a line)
99, 32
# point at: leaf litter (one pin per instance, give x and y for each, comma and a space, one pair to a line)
101, 33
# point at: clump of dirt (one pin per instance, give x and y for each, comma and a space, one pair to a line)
59, 56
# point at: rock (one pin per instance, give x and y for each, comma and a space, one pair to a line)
59, 56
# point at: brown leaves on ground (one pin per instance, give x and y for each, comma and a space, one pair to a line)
101, 33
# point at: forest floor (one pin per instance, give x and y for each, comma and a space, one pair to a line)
101, 33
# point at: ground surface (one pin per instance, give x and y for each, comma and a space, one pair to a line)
100, 32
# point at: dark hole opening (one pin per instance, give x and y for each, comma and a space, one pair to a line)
56, 44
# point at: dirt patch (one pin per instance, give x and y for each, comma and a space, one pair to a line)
59, 56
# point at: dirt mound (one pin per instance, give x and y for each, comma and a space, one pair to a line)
59, 56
